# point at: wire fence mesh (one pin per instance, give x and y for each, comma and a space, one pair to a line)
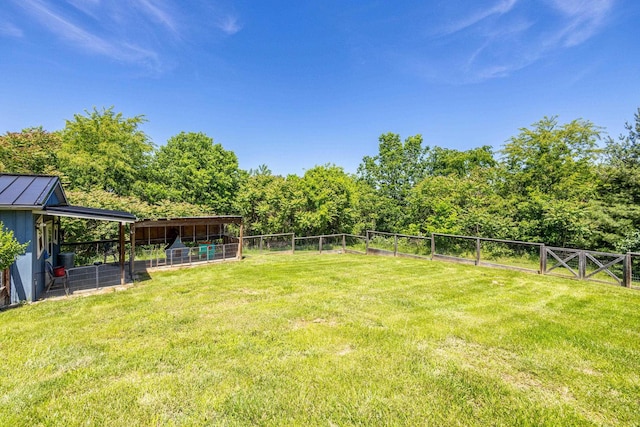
513, 254
268, 243
399, 244
455, 247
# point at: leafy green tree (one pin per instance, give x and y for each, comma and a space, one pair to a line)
445, 161
553, 159
10, 248
330, 201
104, 150
396, 168
34, 150
266, 203
615, 216
191, 168
550, 177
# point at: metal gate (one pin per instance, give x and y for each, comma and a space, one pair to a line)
587, 265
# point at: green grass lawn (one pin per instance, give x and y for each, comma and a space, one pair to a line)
327, 340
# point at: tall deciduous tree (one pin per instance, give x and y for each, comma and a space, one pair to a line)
550, 178
191, 168
34, 150
104, 150
392, 173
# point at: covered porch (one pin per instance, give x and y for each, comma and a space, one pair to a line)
85, 272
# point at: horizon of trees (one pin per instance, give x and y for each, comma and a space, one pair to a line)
551, 183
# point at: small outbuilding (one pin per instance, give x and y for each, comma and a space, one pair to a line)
31, 206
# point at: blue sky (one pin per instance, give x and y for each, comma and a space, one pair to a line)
293, 84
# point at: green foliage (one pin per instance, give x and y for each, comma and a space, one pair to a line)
10, 248
32, 151
79, 230
324, 201
556, 160
191, 168
104, 150
396, 168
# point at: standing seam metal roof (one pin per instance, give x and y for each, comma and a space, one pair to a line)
28, 190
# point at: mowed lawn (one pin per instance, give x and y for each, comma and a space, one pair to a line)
327, 340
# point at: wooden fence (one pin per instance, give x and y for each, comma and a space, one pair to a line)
538, 258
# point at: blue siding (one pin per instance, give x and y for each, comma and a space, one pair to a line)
22, 224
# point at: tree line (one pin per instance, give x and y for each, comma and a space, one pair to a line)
564, 184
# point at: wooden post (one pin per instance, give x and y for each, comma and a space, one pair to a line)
132, 244
293, 242
260, 243
627, 277
433, 245
320, 244
395, 245
582, 265
240, 241
122, 253
477, 251
543, 260
344, 243
366, 244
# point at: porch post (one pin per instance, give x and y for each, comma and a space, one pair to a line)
122, 252
132, 241
240, 241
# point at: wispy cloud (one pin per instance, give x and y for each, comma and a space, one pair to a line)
509, 35
229, 25
500, 8
159, 14
583, 19
146, 33
74, 34
9, 29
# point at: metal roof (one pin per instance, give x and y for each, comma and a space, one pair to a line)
90, 213
29, 191
44, 194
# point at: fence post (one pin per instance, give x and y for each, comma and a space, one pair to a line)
320, 244
627, 277
477, 251
543, 259
433, 245
582, 265
260, 243
293, 242
344, 243
224, 255
366, 243
395, 245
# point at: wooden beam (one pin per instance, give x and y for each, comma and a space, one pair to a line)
122, 252
132, 255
